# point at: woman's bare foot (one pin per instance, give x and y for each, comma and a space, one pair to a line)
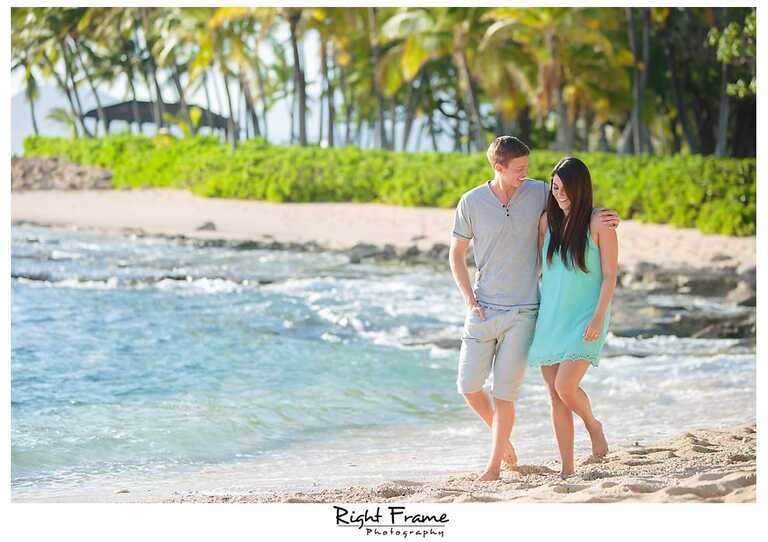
566, 473
489, 475
599, 444
510, 456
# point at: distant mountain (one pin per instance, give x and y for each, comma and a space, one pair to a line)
49, 98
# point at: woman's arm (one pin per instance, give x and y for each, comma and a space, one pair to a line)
608, 243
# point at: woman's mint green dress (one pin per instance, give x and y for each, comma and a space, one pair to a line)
568, 298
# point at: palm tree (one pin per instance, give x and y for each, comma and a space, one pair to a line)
553, 37
452, 33
51, 36
23, 55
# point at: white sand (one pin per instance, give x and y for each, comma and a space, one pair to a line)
337, 225
700, 466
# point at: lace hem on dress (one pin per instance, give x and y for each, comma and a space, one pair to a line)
594, 359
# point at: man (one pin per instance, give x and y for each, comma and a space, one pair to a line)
502, 216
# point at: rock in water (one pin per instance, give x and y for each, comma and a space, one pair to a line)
208, 226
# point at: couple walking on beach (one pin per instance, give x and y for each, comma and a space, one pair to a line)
546, 264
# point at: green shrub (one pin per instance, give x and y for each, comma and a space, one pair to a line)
716, 195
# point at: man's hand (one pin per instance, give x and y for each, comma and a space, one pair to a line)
477, 309
609, 217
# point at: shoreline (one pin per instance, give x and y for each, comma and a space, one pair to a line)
362, 230
695, 466
699, 465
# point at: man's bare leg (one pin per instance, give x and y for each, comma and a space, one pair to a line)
481, 404
503, 419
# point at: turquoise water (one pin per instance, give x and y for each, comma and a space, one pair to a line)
157, 366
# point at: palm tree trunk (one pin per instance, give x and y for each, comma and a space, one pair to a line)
676, 143
347, 105
30, 90
293, 113
152, 98
331, 105
603, 145
208, 118
250, 105
31, 101
134, 104
176, 76
677, 94
159, 104
645, 139
722, 118
635, 116
298, 77
376, 79
232, 129
410, 108
99, 108
393, 124
244, 117
71, 76
420, 135
64, 87
561, 107
588, 114
432, 134
563, 124
359, 132
328, 86
524, 124
262, 96
238, 103
477, 133
457, 130
158, 91
323, 91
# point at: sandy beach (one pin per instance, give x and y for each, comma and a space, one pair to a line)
338, 225
697, 466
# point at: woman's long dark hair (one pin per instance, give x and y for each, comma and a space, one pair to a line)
570, 239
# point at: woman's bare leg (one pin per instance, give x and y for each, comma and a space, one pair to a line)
562, 420
567, 387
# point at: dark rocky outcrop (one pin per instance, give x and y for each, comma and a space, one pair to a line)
49, 173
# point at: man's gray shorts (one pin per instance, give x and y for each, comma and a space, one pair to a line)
497, 345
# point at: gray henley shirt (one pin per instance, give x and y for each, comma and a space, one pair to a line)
505, 242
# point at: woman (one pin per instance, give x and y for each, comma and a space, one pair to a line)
578, 255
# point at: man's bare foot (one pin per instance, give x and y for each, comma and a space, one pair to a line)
566, 473
488, 475
599, 444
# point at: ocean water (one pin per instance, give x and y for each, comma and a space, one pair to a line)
153, 366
